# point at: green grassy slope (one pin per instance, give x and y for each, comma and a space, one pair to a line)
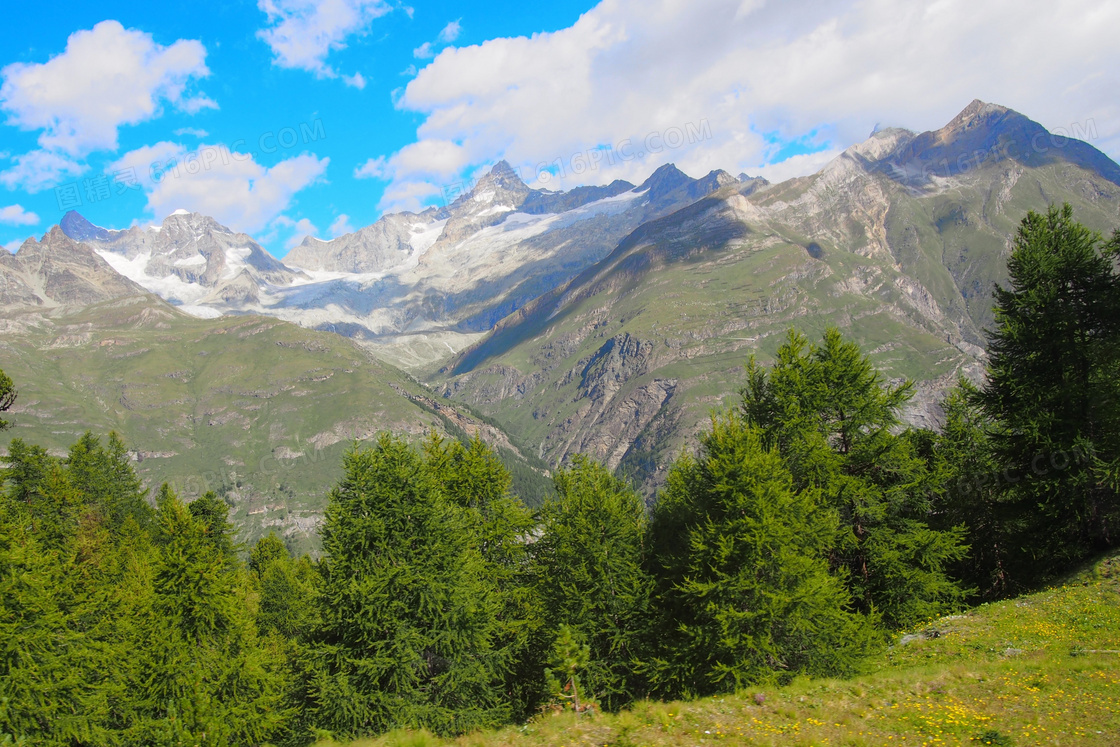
254, 408
1043, 669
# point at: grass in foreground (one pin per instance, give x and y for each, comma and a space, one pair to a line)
1040, 669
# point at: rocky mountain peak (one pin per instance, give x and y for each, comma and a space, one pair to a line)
58, 271
975, 114
748, 185
717, 179
194, 223
501, 186
75, 225
984, 133
493, 197
55, 240
503, 169
664, 180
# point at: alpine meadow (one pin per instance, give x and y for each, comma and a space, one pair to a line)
545, 441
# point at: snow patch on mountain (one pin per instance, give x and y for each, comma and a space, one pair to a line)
236, 261
170, 287
425, 234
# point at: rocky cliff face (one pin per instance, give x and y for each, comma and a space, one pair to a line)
58, 273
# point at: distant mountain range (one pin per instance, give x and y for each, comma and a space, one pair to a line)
414, 286
612, 319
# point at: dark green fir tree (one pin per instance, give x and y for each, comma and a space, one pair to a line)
744, 590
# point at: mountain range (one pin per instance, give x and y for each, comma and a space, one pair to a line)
609, 319
414, 287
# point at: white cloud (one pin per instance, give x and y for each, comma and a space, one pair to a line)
298, 230
428, 50
374, 168
800, 165
439, 158
230, 186
192, 131
340, 225
108, 76
357, 80
15, 215
302, 33
450, 32
40, 169
417, 172
410, 195
755, 71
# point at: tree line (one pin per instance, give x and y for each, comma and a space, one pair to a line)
809, 526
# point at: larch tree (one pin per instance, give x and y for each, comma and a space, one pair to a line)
406, 614
1053, 390
589, 572
744, 589
835, 421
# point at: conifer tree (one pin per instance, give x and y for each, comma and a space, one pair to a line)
107, 481
570, 656
1053, 389
41, 492
286, 586
744, 590
212, 514
287, 599
7, 397
268, 549
56, 670
835, 422
201, 676
588, 569
474, 479
971, 485
406, 615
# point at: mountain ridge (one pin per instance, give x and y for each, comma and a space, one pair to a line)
614, 325
903, 265
411, 286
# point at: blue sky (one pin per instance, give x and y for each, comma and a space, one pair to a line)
293, 117
255, 97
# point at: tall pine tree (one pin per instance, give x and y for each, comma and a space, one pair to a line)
588, 568
971, 486
835, 422
407, 615
105, 476
199, 675
744, 590
1053, 390
475, 480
